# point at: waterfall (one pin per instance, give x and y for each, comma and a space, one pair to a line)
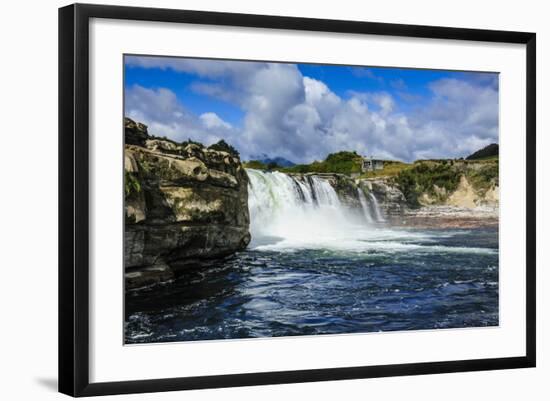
376, 208
364, 205
282, 205
324, 193
304, 209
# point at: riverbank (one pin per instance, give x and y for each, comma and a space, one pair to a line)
448, 217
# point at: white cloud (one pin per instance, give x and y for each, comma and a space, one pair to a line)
212, 120
164, 115
301, 119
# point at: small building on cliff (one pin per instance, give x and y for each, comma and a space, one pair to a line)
371, 164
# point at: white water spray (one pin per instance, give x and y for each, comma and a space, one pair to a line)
302, 209
364, 205
285, 206
376, 208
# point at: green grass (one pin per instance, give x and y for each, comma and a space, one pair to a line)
391, 169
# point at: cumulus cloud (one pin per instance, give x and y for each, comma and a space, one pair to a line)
212, 120
300, 118
164, 115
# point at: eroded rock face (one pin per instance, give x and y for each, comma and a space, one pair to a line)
467, 196
391, 200
183, 205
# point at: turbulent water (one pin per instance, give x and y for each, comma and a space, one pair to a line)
315, 266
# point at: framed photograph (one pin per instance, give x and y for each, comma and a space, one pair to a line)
251, 199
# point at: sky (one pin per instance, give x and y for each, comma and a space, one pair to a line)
303, 112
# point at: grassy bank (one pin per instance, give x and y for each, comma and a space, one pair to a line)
439, 178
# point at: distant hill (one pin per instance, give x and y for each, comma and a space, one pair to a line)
488, 151
279, 161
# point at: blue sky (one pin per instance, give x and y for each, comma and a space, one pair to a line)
304, 111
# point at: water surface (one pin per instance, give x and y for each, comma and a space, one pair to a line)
364, 279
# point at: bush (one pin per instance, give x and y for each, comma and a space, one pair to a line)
485, 177
224, 147
191, 142
423, 176
131, 184
255, 164
343, 162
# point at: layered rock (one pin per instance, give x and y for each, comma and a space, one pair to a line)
467, 196
390, 199
184, 204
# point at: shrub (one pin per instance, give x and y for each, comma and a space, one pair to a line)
255, 164
343, 162
224, 147
423, 177
131, 184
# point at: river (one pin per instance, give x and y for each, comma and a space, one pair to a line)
315, 266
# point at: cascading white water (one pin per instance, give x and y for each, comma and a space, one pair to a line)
324, 193
289, 213
289, 207
282, 205
364, 205
376, 208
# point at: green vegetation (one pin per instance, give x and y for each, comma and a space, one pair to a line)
255, 164
131, 184
487, 152
189, 141
439, 178
224, 147
424, 177
485, 175
391, 169
258, 165
486, 158
343, 162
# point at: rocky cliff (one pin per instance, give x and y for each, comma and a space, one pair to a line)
391, 200
184, 204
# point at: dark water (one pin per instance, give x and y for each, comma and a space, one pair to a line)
440, 279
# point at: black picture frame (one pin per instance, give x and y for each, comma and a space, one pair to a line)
74, 198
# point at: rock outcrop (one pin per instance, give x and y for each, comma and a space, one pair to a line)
184, 204
467, 196
390, 199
